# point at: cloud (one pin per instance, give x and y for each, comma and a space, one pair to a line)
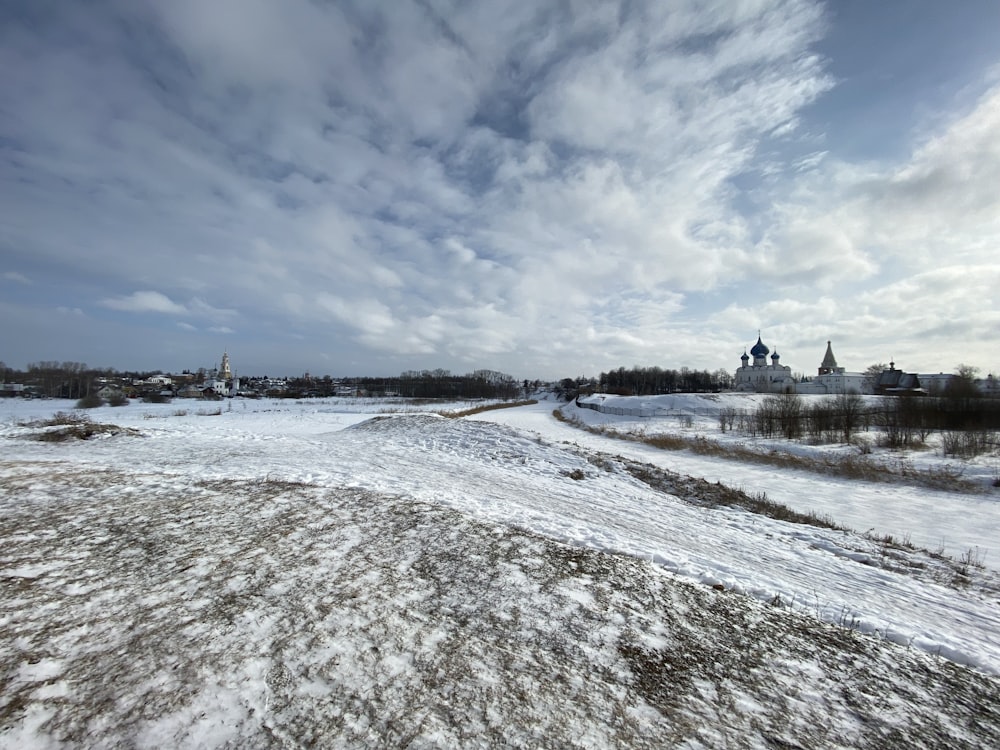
16, 277
145, 301
944, 197
202, 309
500, 184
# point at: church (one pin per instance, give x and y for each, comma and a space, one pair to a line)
774, 377
761, 377
222, 381
832, 378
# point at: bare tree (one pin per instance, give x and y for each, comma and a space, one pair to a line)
872, 373
850, 409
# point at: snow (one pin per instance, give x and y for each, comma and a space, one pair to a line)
279, 572
950, 522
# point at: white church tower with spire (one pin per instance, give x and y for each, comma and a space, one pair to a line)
832, 378
221, 381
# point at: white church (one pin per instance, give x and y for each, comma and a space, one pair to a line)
774, 377
223, 381
761, 377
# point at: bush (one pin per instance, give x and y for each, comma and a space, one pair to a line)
117, 399
90, 401
968, 444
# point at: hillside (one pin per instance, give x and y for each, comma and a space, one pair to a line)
290, 574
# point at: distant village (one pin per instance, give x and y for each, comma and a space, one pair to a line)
53, 379
75, 381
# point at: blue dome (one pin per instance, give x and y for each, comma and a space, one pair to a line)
759, 350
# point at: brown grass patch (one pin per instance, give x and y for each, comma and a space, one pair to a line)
487, 407
851, 466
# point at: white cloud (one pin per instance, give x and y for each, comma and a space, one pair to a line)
509, 182
372, 319
145, 301
19, 278
202, 309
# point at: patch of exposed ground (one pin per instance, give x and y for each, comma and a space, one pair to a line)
64, 426
143, 611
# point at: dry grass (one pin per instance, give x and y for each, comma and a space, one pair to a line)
708, 495
851, 466
58, 419
63, 426
487, 407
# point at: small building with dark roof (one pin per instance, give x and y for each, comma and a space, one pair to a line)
895, 382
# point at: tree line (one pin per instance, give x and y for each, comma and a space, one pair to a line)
54, 379
902, 421
652, 381
442, 384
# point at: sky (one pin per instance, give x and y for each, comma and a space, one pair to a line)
546, 189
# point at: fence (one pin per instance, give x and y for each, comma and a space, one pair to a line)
648, 411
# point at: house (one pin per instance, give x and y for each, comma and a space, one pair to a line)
13, 389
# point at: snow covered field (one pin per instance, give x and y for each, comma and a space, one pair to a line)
951, 522
274, 573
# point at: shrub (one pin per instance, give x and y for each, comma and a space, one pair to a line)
62, 418
117, 399
90, 401
967, 444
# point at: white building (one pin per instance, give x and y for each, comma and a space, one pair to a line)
935, 383
761, 377
831, 378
